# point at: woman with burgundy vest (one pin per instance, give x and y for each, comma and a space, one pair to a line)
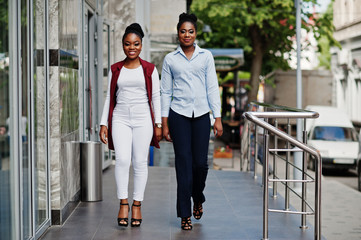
131, 121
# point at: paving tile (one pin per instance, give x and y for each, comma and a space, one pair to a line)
233, 211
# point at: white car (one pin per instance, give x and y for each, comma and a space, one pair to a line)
334, 136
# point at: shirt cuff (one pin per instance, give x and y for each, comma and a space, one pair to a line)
216, 115
103, 124
165, 113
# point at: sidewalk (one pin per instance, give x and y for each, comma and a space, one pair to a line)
233, 211
340, 205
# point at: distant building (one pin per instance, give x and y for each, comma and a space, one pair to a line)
163, 28
346, 62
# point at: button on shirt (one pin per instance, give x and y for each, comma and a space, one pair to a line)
190, 86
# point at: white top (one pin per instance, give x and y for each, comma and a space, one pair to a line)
132, 90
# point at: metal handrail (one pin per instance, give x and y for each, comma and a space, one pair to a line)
286, 114
255, 118
278, 107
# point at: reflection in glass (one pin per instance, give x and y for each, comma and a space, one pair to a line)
106, 69
5, 201
39, 100
24, 128
69, 112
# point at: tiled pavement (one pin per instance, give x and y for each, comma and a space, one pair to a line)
233, 210
340, 204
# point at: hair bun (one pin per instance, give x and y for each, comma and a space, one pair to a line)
135, 28
186, 16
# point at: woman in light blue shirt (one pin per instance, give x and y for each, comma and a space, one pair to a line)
189, 91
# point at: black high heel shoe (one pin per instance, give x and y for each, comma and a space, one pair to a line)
197, 211
135, 222
120, 220
186, 223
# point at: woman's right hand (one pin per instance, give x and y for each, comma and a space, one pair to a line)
103, 134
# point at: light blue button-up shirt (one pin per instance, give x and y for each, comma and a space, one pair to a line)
190, 86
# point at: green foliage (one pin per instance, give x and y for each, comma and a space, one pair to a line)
275, 21
223, 79
244, 75
325, 55
270, 82
4, 26
230, 76
325, 40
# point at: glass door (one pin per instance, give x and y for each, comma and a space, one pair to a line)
39, 119
24, 177
104, 84
90, 64
23, 121
33, 120
6, 160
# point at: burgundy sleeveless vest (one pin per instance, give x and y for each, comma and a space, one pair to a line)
148, 70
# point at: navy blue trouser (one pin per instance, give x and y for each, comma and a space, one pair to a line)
190, 142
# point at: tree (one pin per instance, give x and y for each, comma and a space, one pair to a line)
4, 26
265, 29
324, 39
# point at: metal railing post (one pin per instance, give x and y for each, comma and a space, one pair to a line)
255, 117
274, 163
318, 171
304, 176
265, 187
241, 150
249, 146
288, 154
255, 140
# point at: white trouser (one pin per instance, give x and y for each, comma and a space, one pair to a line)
132, 133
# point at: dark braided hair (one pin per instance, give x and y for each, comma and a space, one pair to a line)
134, 28
185, 17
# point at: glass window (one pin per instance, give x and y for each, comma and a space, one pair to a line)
24, 129
106, 69
39, 104
329, 133
5, 200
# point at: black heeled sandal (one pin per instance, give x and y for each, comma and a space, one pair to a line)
197, 211
125, 223
134, 221
186, 223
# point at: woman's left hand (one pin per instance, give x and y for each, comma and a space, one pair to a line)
217, 127
159, 133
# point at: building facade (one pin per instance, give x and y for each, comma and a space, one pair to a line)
54, 61
346, 62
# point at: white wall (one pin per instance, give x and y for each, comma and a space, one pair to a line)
346, 62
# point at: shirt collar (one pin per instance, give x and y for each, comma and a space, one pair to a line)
197, 50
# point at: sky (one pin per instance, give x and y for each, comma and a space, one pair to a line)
323, 6
320, 8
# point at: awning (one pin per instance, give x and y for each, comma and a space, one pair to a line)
227, 59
